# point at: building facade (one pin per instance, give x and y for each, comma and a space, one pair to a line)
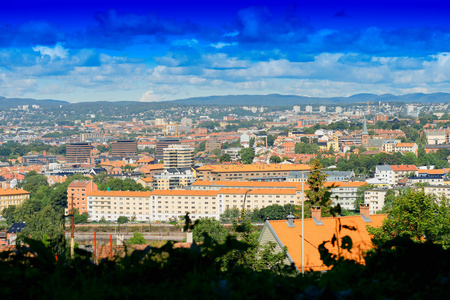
78, 152
124, 148
178, 156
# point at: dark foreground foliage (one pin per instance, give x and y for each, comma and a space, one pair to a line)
400, 269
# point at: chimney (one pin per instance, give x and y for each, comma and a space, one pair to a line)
290, 220
364, 210
316, 213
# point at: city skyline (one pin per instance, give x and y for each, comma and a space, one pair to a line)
151, 51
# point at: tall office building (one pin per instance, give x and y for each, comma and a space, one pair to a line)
163, 143
124, 148
78, 152
178, 156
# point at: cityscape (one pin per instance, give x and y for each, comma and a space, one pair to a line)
264, 153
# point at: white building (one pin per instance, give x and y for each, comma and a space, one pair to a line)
338, 109
309, 108
385, 174
322, 109
296, 108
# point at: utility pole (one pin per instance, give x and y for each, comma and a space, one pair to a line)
72, 231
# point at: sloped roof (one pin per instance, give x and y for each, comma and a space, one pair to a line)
291, 237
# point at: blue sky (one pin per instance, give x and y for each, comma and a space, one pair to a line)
162, 50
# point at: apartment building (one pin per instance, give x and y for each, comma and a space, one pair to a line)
402, 171
10, 197
218, 185
211, 145
78, 152
375, 198
163, 143
248, 172
385, 174
124, 148
439, 191
345, 193
173, 204
436, 136
406, 147
77, 192
110, 205
178, 156
173, 179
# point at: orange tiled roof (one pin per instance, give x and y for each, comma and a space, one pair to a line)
410, 168
317, 234
405, 145
77, 183
10, 192
432, 171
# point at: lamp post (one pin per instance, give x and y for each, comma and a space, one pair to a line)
243, 206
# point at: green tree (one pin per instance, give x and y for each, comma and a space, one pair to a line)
273, 212
122, 220
80, 218
9, 214
46, 224
58, 198
210, 227
306, 148
318, 194
225, 158
247, 155
33, 181
230, 214
418, 216
274, 159
137, 239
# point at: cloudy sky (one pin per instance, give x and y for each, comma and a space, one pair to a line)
145, 50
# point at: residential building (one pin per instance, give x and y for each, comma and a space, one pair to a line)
436, 136
402, 171
308, 108
406, 147
248, 172
288, 233
381, 118
322, 109
178, 156
437, 179
375, 198
339, 175
439, 191
146, 182
110, 205
233, 152
163, 143
211, 145
384, 173
174, 178
345, 193
124, 148
10, 197
78, 152
77, 192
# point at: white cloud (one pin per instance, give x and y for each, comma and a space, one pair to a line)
150, 96
220, 45
56, 52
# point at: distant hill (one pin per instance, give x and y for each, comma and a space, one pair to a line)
278, 100
253, 100
14, 102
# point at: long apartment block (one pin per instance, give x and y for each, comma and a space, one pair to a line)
164, 205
